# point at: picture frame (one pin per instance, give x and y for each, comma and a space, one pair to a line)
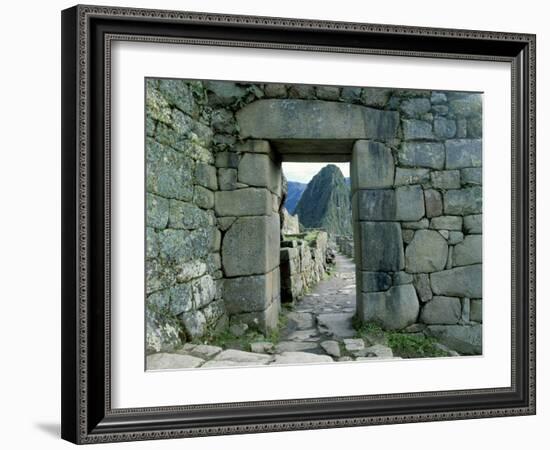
87, 413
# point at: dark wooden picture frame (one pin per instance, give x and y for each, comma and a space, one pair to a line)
87, 33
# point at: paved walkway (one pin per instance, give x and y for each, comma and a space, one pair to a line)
318, 330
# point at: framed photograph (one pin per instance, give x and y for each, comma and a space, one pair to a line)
281, 224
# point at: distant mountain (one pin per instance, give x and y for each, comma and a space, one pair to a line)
295, 191
326, 203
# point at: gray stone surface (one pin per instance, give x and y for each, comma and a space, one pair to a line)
417, 129
194, 323
473, 224
224, 93
255, 169
300, 358
203, 197
416, 106
394, 309
169, 173
463, 201
313, 119
354, 345
181, 298
262, 347
187, 216
227, 179
337, 325
465, 105
441, 310
421, 224
471, 175
251, 246
375, 204
455, 237
422, 286
463, 153
422, 154
476, 310
190, 270
243, 202
247, 294
378, 351
227, 160
444, 128
375, 97
465, 339
200, 350
433, 203
381, 247
239, 357
458, 282
275, 90
331, 93
426, 253
372, 166
184, 245
205, 175
157, 211
167, 361
402, 278
451, 223
406, 175
262, 321
204, 290
332, 348
375, 281
293, 346
409, 202
468, 251
446, 179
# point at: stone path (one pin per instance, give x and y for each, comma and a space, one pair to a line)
318, 330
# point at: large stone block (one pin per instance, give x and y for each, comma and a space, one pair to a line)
375, 204
463, 153
314, 119
393, 309
263, 321
372, 166
409, 203
251, 246
465, 339
248, 294
433, 203
444, 128
468, 251
187, 216
471, 175
205, 175
422, 154
458, 282
446, 223
243, 202
463, 201
381, 247
426, 253
180, 246
254, 169
441, 311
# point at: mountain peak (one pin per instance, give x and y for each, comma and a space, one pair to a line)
325, 202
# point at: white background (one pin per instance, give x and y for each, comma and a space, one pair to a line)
31, 224
132, 387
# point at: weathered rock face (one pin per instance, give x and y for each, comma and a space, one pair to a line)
426, 253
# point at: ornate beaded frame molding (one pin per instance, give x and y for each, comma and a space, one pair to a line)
84, 421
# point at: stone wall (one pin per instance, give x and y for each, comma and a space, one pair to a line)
183, 265
418, 212
303, 263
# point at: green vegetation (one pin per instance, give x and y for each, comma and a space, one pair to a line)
405, 345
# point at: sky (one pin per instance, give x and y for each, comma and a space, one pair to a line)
304, 172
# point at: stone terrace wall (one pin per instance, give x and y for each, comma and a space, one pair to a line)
303, 263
